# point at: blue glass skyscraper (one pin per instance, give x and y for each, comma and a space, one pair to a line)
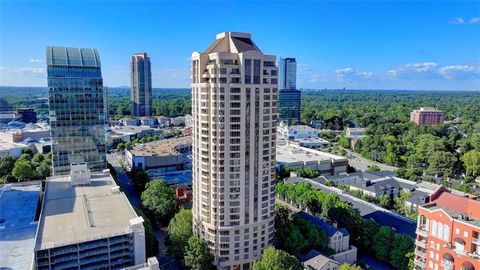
289, 98
76, 105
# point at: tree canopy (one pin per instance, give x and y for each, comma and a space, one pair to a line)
274, 259
160, 199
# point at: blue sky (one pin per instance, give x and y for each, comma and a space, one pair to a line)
355, 44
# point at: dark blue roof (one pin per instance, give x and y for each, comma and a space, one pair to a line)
329, 229
400, 225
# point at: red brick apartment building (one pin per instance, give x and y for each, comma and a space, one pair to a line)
427, 116
448, 232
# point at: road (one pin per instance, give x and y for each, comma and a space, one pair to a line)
368, 210
166, 262
361, 164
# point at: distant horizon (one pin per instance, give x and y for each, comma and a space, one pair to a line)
301, 89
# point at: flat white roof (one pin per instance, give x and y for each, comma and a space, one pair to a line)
287, 153
4, 145
17, 228
82, 213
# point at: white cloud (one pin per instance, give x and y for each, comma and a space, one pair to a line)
460, 72
37, 61
415, 68
458, 21
349, 73
22, 70
475, 20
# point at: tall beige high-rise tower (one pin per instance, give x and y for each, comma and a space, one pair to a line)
234, 111
141, 85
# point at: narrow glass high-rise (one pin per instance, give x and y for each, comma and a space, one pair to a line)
234, 111
76, 103
289, 99
141, 85
287, 74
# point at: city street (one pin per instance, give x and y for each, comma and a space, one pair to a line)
166, 262
361, 164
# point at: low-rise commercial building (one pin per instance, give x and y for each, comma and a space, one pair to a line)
165, 155
9, 149
427, 116
31, 131
86, 222
302, 135
163, 121
18, 223
27, 115
355, 133
130, 121
293, 156
448, 232
148, 121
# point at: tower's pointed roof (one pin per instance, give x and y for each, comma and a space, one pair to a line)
232, 42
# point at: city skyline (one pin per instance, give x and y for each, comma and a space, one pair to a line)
350, 45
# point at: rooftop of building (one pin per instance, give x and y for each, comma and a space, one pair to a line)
427, 109
161, 148
300, 128
315, 260
73, 57
355, 129
327, 228
5, 145
130, 129
232, 42
79, 213
457, 205
287, 152
18, 204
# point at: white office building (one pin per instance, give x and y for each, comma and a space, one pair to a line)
234, 108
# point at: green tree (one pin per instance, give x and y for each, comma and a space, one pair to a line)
38, 158
43, 170
139, 179
441, 163
401, 246
383, 242
179, 230
24, 170
160, 199
274, 259
373, 168
385, 201
27, 151
344, 142
471, 161
370, 229
282, 215
6, 166
347, 266
121, 146
197, 255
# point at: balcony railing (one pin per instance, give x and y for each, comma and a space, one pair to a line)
476, 241
420, 263
420, 253
422, 232
448, 265
420, 243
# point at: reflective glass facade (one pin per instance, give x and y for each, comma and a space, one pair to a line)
287, 74
289, 103
76, 101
